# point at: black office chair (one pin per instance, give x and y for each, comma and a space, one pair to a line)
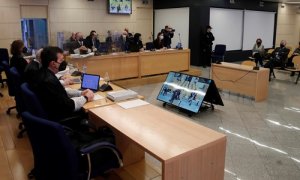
56, 157
11, 90
3, 57
150, 46
219, 53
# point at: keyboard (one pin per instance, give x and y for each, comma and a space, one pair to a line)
121, 95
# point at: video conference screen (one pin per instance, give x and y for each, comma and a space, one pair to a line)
120, 6
184, 91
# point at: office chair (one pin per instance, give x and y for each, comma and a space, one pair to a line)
32, 105
103, 47
3, 57
11, 90
219, 52
150, 46
56, 157
16, 83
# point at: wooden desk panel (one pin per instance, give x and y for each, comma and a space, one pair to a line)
187, 150
242, 79
164, 61
135, 65
118, 66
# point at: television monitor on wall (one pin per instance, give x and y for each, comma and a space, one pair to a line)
119, 6
184, 91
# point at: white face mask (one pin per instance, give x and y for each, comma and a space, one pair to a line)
161, 37
124, 36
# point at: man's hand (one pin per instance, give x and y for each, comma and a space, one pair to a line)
89, 94
68, 81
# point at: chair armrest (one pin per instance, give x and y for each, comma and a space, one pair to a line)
85, 150
84, 122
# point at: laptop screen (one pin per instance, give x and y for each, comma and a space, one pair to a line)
90, 81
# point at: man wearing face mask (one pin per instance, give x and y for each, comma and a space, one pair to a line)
159, 41
207, 42
278, 57
57, 101
136, 44
258, 52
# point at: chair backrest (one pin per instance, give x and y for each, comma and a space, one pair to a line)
270, 51
4, 55
54, 155
31, 101
248, 63
15, 79
220, 49
11, 90
296, 61
16, 84
150, 46
291, 51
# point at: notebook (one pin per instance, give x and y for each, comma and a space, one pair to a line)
90, 81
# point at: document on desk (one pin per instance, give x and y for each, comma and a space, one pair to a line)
132, 103
97, 97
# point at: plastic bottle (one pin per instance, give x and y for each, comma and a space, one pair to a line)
84, 68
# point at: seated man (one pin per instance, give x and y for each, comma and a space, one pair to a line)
77, 46
278, 57
58, 102
92, 42
32, 69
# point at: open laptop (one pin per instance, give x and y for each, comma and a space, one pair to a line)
90, 81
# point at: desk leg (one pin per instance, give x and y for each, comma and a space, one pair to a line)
297, 78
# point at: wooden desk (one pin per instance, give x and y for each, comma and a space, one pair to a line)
135, 65
242, 79
187, 151
101, 102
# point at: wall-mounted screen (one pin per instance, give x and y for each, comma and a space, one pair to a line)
119, 6
184, 91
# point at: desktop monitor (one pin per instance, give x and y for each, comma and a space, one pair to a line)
184, 91
119, 6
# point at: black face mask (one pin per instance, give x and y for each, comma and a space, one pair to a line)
62, 66
258, 43
24, 50
281, 45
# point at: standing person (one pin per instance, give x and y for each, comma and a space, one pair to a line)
159, 41
207, 42
168, 33
17, 49
258, 52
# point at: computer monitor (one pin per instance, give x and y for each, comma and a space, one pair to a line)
185, 91
90, 81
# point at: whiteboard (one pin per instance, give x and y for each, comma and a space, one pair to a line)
227, 27
258, 24
177, 18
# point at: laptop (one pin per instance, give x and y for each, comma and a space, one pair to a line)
90, 81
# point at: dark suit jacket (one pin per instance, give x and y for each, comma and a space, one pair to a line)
88, 42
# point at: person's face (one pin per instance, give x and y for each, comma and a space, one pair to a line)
55, 64
258, 42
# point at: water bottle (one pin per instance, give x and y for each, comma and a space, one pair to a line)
33, 53
84, 68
